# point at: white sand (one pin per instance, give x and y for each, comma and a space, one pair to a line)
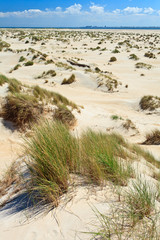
99, 106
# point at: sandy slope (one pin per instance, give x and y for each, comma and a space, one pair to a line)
67, 221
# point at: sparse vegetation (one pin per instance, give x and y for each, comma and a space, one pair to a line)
149, 103
143, 65
113, 59
64, 115
22, 109
133, 56
29, 63
152, 138
70, 80
22, 59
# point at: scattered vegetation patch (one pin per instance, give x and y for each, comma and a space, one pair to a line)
50, 73
152, 138
143, 65
14, 86
149, 103
52, 97
22, 59
4, 44
113, 59
133, 56
70, 80
64, 115
29, 63
23, 110
149, 55
128, 124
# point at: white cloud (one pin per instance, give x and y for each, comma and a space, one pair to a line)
96, 9
74, 9
148, 10
117, 11
58, 9
133, 10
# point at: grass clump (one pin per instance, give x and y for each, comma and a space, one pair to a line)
29, 63
100, 158
4, 44
70, 80
53, 155
152, 138
22, 110
64, 115
140, 200
149, 55
149, 102
52, 97
14, 86
51, 73
133, 57
143, 65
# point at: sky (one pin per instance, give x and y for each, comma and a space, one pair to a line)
79, 13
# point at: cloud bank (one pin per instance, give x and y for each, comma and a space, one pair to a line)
75, 15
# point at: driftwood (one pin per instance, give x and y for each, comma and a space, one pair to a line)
77, 64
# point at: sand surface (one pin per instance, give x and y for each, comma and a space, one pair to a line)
69, 220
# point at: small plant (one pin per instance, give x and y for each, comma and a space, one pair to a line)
29, 63
70, 80
115, 117
113, 59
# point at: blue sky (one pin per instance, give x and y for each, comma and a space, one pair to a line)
59, 13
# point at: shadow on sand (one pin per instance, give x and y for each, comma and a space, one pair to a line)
29, 205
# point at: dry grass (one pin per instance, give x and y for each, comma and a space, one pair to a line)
70, 80
152, 138
21, 109
149, 102
64, 115
10, 177
53, 154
